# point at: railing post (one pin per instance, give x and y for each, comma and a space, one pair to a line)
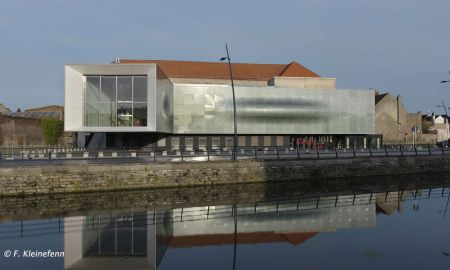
276, 149
401, 151
385, 150
429, 149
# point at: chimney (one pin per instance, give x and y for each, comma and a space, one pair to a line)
399, 104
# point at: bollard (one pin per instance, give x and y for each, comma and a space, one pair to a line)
335, 151
298, 153
429, 150
354, 154
401, 151
370, 150
50, 155
278, 155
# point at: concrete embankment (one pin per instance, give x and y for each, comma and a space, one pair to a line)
33, 180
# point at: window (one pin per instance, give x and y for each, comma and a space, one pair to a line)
229, 141
241, 140
215, 142
254, 141
175, 142
115, 101
188, 143
202, 142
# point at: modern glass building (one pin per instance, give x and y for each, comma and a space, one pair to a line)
188, 105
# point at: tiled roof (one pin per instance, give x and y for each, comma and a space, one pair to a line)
219, 70
48, 108
243, 238
34, 115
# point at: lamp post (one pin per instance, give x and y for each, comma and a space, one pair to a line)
446, 81
234, 103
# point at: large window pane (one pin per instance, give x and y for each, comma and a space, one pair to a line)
140, 114
92, 89
91, 116
107, 114
124, 91
140, 89
109, 101
108, 93
124, 114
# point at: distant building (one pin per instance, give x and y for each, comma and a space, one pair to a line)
24, 128
437, 127
393, 121
4, 109
56, 110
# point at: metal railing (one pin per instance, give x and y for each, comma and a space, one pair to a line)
209, 154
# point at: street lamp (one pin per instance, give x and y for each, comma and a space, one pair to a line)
446, 81
234, 103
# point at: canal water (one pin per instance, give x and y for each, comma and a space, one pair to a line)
369, 228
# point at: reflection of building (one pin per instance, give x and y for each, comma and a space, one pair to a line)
140, 240
109, 242
174, 104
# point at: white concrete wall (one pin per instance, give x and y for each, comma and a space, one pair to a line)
74, 95
73, 240
304, 82
218, 81
73, 99
307, 219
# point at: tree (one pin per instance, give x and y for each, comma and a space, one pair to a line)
52, 129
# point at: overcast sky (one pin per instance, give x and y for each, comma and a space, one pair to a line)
399, 46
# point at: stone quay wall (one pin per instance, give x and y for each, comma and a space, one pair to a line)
34, 180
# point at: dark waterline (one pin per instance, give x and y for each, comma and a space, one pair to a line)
384, 224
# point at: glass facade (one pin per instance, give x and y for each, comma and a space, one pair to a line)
115, 101
208, 109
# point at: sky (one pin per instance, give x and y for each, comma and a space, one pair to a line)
400, 46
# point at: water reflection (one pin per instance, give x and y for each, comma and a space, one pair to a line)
159, 238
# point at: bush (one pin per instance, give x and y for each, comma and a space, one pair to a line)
52, 130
